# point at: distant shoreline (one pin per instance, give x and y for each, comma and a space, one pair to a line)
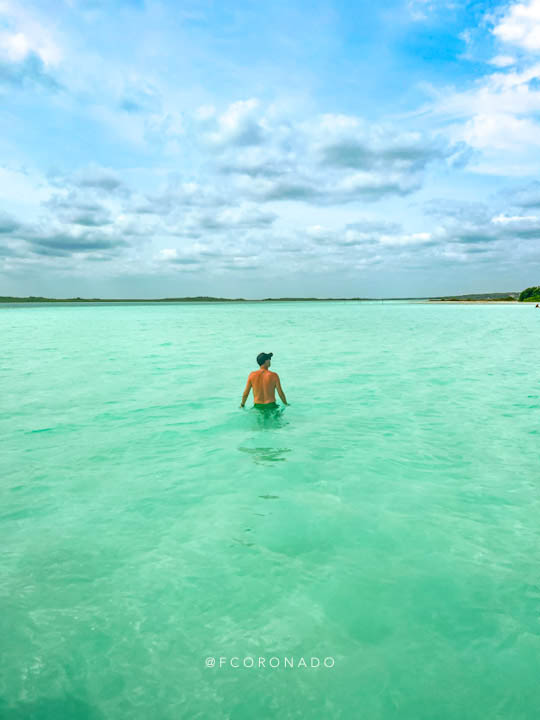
504, 298
174, 300
437, 301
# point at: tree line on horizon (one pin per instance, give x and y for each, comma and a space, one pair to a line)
530, 294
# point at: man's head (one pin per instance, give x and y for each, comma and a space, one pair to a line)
264, 359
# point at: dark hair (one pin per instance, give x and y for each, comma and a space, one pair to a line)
263, 357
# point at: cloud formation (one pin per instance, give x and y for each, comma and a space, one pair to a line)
174, 157
215, 233
28, 51
520, 25
328, 160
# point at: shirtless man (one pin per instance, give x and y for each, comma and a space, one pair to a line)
264, 384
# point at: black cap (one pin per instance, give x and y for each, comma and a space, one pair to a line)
263, 357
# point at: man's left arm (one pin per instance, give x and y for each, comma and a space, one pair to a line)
246, 392
280, 390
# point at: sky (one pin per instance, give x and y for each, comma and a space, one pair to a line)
286, 149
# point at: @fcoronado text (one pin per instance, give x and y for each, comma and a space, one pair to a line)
289, 661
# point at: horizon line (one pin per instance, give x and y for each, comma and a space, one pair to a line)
210, 298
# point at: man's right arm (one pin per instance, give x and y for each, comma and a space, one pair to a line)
280, 390
246, 392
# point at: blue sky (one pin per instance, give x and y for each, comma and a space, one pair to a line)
153, 149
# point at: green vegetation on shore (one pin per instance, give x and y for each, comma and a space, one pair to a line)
530, 294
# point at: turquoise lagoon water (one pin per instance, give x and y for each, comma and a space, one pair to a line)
388, 519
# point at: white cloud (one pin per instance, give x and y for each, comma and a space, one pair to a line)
501, 131
377, 183
168, 253
502, 61
505, 219
520, 26
501, 92
239, 125
14, 46
497, 118
26, 34
421, 238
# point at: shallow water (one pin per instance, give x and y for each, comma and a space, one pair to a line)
387, 519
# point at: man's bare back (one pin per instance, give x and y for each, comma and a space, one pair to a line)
264, 383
